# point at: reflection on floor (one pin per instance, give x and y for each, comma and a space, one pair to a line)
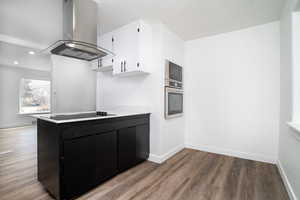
187, 176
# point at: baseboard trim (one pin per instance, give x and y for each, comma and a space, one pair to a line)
286, 181
232, 153
154, 158
15, 126
160, 159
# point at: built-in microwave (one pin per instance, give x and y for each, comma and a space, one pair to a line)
173, 75
173, 102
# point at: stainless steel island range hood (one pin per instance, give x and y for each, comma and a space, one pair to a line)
79, 31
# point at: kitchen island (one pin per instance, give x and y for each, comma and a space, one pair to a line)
77, 153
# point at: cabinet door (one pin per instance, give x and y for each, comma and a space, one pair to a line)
144, 58
118, 65
131, 34
142, 142
106, 41
87, 162
119, 50
133, 146
126, 47
127, 148
106, 156
133, 48
138, 46
107, 62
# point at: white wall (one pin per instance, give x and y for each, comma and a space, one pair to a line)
289, 145
232, 89
73, 85
136, 92
296, 63
10, 78
147, 92
172, 129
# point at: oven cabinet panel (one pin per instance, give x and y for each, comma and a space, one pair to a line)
133, 146
87, 162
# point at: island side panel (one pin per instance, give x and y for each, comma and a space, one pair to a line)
48, 151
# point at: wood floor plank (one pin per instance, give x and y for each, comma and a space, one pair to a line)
268, 185
189, 175
246, 189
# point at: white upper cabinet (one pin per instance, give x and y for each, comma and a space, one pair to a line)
105, 41
132, 45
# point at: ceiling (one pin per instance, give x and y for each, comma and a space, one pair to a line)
36, 21
40, 21
29, 25
35, 24
11, 53
191, 19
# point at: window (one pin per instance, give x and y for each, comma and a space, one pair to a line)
34, 96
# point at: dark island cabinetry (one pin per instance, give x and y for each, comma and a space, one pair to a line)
88, 161
133, 146
75, 157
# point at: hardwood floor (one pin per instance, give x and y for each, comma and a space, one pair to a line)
189, 175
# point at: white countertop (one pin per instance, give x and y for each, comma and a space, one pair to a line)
117, 113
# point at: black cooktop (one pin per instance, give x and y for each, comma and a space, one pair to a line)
80, 116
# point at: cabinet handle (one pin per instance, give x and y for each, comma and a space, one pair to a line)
122, 66
99, 63
125, 66
138, 64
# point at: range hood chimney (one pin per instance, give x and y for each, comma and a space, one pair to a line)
79, 31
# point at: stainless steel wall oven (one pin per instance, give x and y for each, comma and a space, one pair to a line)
173, 90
